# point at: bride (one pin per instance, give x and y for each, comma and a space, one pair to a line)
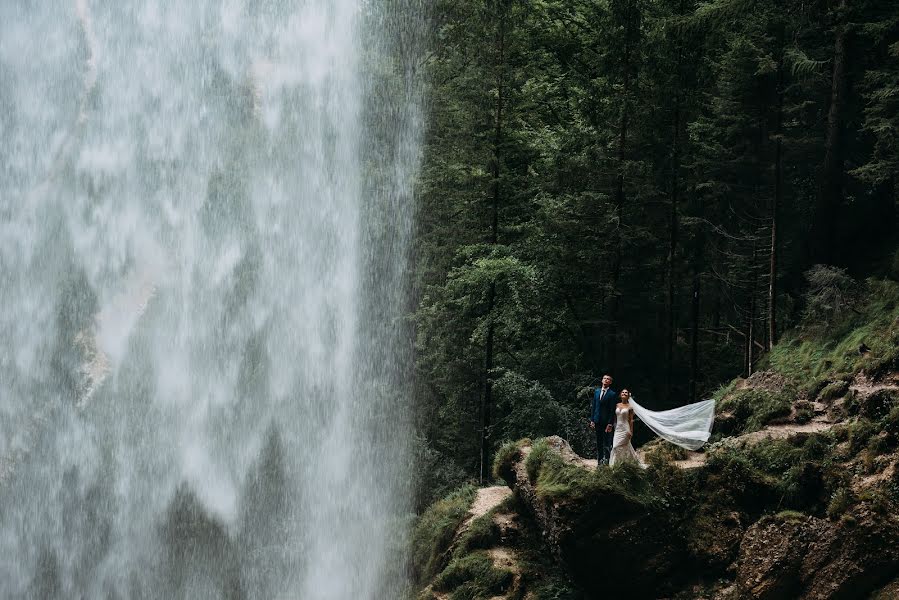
687, 426
622, 448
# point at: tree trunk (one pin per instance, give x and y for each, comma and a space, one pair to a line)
831, 189
694, 337
670, 337
630, 18
487, 398
775, 206
750, 326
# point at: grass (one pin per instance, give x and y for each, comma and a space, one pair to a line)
755, 408
557, 480
832, 353
473, 575
505, 457
660, 450
434, 531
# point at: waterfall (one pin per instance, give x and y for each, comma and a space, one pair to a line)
204, 218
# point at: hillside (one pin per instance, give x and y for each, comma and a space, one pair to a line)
795, 498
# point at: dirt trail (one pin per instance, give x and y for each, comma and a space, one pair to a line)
487, 499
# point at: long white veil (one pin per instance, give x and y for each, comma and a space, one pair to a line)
689, 426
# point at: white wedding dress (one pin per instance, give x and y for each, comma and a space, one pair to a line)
622, 448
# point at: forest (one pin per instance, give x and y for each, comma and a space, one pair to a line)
645, 188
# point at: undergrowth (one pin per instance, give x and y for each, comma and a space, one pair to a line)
815, 355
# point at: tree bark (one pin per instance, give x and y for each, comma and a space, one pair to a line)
775, 207
670, 337
630, 19
487, 398
831, 188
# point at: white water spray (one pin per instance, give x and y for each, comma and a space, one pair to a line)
204, 214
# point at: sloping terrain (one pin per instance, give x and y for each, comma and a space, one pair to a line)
797, 496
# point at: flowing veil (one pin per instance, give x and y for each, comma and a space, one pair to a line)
689, 426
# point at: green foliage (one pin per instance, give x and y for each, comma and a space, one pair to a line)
434, 531
831, 296
473, 576
586, 161
754, 408
481, 533
860, 432
840, 501
660, 450
833, 390
507, 454
525, 408
560, 481
834, 353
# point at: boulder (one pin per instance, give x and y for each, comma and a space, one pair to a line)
815, 559
605, 532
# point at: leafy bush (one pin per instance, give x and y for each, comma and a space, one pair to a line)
525, 408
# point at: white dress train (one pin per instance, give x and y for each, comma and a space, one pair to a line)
622, 448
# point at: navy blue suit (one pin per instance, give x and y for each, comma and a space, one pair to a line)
602, 414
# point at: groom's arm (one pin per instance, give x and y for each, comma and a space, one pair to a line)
609, 412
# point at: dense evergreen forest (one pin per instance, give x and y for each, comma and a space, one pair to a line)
637, 187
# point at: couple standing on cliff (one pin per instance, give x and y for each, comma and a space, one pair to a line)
612, 417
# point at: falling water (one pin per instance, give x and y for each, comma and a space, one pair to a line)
204, 210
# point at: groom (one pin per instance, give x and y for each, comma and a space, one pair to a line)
604, 400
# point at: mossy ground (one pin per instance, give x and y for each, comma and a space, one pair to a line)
434, 532
820, 354
470, 574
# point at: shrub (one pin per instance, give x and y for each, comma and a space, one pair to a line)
525, 408
879, 444
831, 295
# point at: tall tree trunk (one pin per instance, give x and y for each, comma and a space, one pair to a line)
670, 336
619, 197
775, 206
831, 188
750, 326
487, 398
694, 337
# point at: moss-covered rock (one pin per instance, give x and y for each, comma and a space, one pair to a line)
434, 531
